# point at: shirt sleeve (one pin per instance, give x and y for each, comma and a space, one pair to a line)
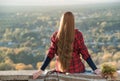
91, 63
82, 47
45, 63
53, 47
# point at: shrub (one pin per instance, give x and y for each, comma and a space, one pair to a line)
109, 70
6, 66
22, 66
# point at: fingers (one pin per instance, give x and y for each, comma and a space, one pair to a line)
36, 75
97, 71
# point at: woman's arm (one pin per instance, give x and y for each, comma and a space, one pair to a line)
82, 47
51, 52
49, 57
84, 52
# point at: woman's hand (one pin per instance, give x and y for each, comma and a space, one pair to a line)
37, 74
97, 71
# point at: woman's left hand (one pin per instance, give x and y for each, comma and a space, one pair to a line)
97, 71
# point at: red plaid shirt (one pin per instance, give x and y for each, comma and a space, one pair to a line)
76, 65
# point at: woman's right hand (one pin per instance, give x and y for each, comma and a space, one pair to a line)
37, 74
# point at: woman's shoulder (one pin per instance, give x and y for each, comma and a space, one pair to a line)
78, 32
78, 35
53, 36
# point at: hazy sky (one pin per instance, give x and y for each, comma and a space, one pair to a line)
52, 2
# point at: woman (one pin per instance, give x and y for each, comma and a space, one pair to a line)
67, 44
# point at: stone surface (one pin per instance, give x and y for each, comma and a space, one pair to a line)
26, 75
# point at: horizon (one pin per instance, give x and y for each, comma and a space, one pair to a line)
52, 2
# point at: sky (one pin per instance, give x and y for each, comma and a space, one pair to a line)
51, 2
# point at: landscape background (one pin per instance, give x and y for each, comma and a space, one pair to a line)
25, 33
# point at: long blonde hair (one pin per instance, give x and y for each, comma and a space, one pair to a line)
65, 37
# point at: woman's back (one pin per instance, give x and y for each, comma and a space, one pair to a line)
76, 64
